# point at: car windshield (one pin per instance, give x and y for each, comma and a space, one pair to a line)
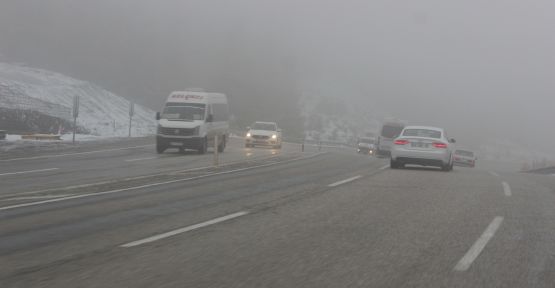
367, 140
264, 126
427, 133
389, 131
187, 112
464, 153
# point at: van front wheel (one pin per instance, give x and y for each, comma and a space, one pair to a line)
160, 147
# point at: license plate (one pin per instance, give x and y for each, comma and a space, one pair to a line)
419, 145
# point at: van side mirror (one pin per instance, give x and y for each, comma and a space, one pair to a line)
452, 140
158, 116
210, 118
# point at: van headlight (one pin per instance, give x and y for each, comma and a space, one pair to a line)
274, 136
249, 135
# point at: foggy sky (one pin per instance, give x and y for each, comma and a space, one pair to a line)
481, 69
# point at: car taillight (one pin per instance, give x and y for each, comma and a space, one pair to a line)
401, 142
439, 145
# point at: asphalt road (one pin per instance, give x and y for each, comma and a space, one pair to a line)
285, 219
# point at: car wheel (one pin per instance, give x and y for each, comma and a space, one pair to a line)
393, 164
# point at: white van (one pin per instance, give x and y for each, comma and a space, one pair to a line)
191, 120
390, 130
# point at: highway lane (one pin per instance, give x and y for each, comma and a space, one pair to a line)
332, 220
71, 168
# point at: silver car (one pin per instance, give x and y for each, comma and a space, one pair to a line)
366, 145
422, 145
464, 158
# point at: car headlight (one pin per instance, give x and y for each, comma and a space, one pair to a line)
274, 136
249, 135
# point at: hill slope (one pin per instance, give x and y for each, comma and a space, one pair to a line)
102, 113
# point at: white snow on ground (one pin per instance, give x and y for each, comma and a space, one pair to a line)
101, 112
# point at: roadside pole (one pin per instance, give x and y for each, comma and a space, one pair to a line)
75, 115
216, 152
131, 113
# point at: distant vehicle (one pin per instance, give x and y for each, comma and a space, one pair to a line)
191, 120
390, 130
263, 134
366, 145
422, 145
464, 158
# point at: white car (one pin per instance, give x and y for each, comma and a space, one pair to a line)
263, 134
465, 158
422, 145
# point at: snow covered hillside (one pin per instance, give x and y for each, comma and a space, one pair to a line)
335, 120
102, 113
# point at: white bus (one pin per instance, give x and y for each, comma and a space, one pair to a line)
191, 120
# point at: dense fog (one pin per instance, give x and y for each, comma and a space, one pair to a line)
481, 69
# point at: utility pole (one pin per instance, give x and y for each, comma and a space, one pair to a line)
131, 113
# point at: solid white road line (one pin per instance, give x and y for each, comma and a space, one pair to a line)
152, 184
74, 154
506, 189
479, 246
494, 174
344, 181
184, 230
125, 179
35, 197
140, 159
30, 171
384, 167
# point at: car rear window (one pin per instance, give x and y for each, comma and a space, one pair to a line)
422, 133
464, 153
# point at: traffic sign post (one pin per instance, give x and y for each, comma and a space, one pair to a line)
75, 115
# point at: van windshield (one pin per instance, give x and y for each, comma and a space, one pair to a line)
184, 112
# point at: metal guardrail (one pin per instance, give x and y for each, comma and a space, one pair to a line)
545, 170
41, 137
